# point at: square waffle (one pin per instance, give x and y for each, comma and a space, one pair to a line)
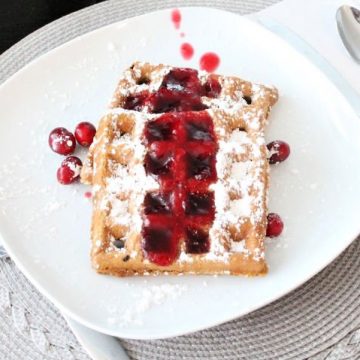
180, 177
161, 88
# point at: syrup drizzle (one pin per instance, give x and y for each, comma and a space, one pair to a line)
181, 155
180, 90
209, 61
176, 18
187, 51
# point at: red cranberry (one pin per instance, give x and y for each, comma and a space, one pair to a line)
85, 133
69, 171
279, 151
62, 141
275, 225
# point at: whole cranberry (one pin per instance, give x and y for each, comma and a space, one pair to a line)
275, 225
279, 151
62, 141
69, 171
85, 133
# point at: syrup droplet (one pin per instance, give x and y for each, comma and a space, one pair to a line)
209, 62
176, 18
88, 194
187, 51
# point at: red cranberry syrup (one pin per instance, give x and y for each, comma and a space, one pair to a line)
180, 90
181, 150
88, 194
176, 18
209, 62
187, 51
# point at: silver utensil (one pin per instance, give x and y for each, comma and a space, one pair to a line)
3, 253
348, 23
99, 346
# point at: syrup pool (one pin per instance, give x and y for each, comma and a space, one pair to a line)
181, 150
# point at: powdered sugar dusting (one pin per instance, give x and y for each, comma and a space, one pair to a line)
127, 184
149, 297
31, 205
131, 77
240, 189
239, 246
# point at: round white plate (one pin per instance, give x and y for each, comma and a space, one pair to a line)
45, 226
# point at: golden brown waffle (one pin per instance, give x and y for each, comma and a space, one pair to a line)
245, 100
225, 237
234, 92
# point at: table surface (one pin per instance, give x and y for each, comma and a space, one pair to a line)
21, 17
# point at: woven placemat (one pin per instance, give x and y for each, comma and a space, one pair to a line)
320, 320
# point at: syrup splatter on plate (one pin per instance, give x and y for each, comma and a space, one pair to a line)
208, 61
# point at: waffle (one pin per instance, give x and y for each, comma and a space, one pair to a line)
182, 191
139, 87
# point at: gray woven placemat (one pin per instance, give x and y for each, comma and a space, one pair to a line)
320, 320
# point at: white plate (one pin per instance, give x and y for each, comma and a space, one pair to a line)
45, 226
